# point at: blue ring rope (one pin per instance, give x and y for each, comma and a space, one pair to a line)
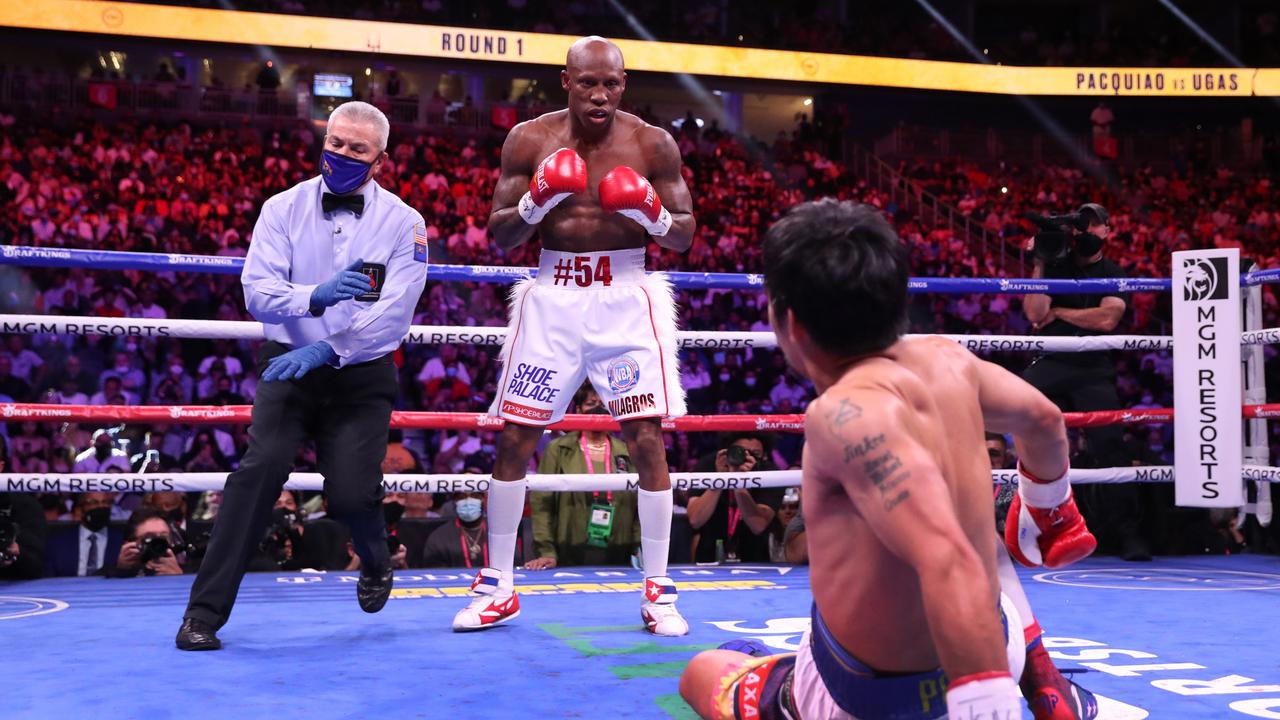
172, 262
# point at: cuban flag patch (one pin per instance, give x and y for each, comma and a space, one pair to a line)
420, 242
659, 590
486, 582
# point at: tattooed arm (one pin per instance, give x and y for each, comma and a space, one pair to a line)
857, 438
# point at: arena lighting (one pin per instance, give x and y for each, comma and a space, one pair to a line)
1051, 126
1203, 34
1208, 39
265, 31
689, 82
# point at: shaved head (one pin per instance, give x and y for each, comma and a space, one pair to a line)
593, 51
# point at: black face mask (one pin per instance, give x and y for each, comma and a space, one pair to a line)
102, 453
1088, 245
96, 519
392, 512
175, 515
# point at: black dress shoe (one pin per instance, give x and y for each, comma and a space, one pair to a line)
373, 590
197, 635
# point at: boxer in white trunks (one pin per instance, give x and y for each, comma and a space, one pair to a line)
595, 184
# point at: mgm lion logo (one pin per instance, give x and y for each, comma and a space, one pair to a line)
1204, 279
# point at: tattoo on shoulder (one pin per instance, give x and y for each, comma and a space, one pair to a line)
845, 412
886, 472
852, 451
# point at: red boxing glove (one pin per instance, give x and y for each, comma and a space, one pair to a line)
625, 192
1044, 526
559, 175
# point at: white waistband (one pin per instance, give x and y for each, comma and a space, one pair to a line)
625, 267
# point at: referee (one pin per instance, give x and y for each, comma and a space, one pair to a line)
334, 272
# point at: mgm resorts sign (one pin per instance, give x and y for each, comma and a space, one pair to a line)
1206, 378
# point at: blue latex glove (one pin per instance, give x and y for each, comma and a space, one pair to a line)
344, 285
296, 363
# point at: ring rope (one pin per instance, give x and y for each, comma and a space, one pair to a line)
462, 335
229, 265
616, 482
428, 420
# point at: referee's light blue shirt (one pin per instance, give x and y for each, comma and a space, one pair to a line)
296, 246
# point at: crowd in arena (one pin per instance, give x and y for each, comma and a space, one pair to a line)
185, 188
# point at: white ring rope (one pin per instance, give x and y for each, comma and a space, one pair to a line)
453, 334
199, 482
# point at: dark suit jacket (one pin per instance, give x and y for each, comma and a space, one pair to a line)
62, 549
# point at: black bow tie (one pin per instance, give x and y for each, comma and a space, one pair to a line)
330, 202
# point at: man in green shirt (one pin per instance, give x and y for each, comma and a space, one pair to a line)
584, 528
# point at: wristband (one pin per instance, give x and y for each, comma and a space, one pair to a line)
1044, 493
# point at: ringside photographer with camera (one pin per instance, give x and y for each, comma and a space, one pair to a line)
149, 547
22, 532
1072, 247
733, 525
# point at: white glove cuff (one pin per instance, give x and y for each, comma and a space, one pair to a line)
656, 228
984, 697
1044, 495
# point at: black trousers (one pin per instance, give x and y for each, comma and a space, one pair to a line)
1115, 512
347, 412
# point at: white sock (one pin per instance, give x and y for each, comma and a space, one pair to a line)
655, 530
506, 507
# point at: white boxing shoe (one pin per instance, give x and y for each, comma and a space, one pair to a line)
659, 608
490, 607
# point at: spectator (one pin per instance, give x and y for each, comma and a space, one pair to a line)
786, 391
172, 387
454, 449
445, 546
588, 527
230, 364
404, 540
731, 526
89, 547
73, 371
998, 454
103, 457
113, 393
148, 546
444, 377
788, 511
204, 455
11, 385
26, 365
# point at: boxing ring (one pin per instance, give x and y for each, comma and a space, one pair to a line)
1175, 638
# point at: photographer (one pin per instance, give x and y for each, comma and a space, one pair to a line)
1072, 247
148, 548
22, 533
738, 521
282, 546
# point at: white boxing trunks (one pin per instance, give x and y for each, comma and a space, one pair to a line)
590, 315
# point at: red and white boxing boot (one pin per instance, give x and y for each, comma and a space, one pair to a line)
659, 608
491, 606
1044, 526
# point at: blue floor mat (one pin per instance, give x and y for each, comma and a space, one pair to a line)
1156, 638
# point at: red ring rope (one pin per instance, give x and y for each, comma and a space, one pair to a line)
240, 415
